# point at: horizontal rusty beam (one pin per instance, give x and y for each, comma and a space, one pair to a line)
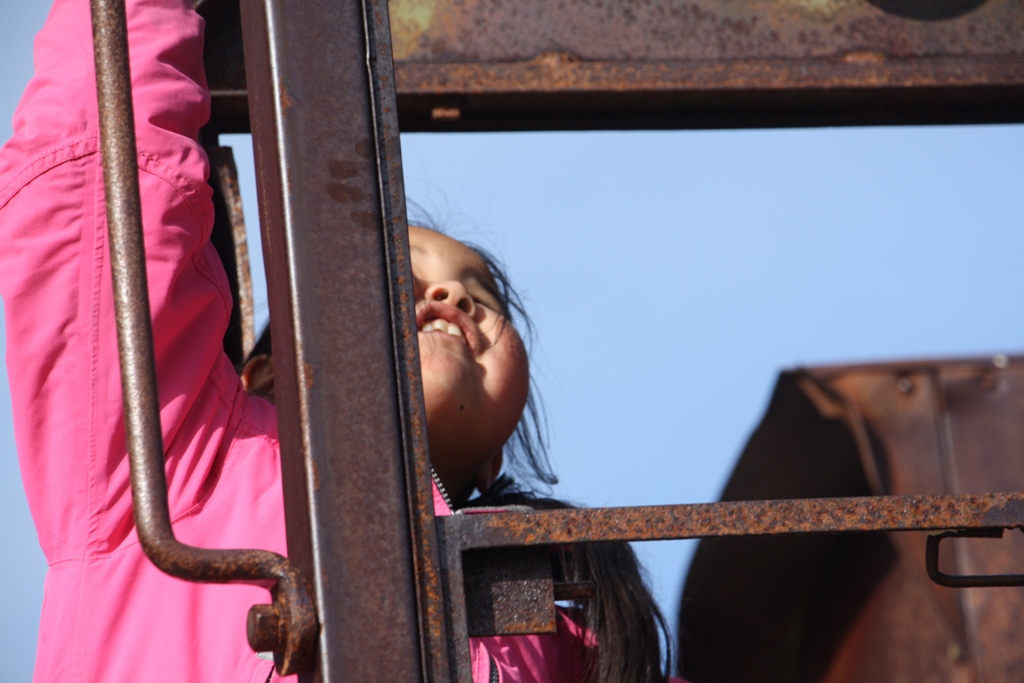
755, 518
537, 64
635, 96
480, 603
557, 93
487, 65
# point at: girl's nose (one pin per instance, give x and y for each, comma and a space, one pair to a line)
453, 293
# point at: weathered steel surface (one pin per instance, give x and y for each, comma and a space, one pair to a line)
534, 64
357, 488
752, 518
491, 64
296, 627
482, 31
843, 609
509, 591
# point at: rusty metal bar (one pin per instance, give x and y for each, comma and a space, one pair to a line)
358, 502
533, 64
755, 518
229, 239
291, 615
489, 594
555, 92
537, 65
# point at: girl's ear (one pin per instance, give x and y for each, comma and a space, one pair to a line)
488, 474
258, 377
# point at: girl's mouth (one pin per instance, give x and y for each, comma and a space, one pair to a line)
435, 316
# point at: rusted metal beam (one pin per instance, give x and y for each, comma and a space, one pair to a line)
540, 65
229, 239
534, 64
754, 518
480, 585
358, 501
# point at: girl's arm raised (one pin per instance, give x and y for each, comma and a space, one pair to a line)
55, 266
108, 614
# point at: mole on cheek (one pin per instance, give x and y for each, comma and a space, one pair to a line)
462, 407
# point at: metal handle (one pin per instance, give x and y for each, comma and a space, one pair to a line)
288, 626
965, 580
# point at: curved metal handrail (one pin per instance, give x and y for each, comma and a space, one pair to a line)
289, 625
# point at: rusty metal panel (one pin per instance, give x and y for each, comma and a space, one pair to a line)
531, 64
984, 425
509, 591
592, 64
844, 609
357, 490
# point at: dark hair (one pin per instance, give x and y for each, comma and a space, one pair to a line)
623, 616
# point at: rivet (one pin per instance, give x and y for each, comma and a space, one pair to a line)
263, 627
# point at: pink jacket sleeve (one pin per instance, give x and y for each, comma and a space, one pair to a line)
108, 614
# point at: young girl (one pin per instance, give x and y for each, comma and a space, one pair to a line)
108, 614
624, 618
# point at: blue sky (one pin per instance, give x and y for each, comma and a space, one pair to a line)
671, 275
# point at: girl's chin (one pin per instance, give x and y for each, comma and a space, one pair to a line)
447, 365
449, 384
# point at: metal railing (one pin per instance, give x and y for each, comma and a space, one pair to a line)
358, 500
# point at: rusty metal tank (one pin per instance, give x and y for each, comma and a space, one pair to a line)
839, 609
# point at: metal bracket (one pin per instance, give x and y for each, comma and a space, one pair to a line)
966, 580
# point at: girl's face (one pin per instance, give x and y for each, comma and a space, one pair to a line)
474, 365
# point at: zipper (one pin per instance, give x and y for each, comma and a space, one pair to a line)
444, 493
494, 670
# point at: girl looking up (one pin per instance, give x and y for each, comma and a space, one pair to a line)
474, 370
108, 613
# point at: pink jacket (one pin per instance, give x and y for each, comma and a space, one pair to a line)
108, 614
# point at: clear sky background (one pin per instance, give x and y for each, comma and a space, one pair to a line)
671, 275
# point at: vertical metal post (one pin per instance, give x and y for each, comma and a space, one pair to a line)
229, 240
352, 427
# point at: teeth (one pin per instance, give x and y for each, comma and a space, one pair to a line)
439, 325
